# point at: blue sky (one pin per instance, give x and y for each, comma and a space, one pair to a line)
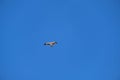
87, 33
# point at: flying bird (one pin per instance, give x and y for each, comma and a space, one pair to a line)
51, 44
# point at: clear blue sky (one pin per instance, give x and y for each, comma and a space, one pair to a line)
87, 32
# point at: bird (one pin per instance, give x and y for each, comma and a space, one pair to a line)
51, 44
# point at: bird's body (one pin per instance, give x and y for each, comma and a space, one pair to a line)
51, 44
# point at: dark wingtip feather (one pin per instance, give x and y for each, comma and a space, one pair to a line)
44, 43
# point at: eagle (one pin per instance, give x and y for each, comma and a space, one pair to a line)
51, 44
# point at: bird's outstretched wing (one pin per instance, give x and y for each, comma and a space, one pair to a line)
46, 43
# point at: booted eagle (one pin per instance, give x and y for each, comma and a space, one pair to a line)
51, 44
